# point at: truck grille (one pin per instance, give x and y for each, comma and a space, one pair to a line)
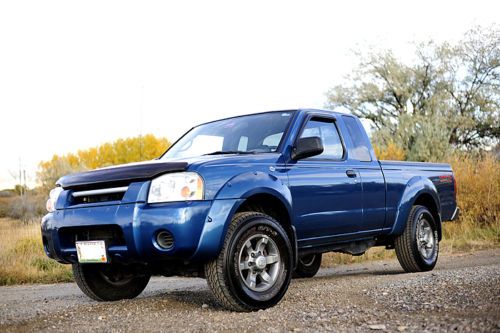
99, 195
111, 234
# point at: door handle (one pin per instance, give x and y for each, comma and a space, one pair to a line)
351, 173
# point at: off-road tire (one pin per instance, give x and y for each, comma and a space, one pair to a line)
407, 247
224, 277
308, 266
91, 280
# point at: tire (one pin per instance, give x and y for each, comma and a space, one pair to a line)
308, 266
256, 249
109, 282
417, 248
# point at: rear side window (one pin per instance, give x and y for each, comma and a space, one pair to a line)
327, 132
360, 149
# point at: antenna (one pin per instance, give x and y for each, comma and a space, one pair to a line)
140, 122
20, 178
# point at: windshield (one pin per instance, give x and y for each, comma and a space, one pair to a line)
258, 133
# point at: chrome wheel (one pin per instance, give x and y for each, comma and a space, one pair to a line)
259, 262
425, 238
417, 248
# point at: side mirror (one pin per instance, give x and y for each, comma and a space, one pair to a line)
307, 147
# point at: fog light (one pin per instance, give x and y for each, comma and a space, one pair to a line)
165, 240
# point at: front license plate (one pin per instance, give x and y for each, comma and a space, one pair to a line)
91, 252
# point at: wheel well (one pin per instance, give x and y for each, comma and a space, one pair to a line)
427, 201
267, 204
274, 207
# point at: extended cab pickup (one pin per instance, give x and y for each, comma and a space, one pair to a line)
247, 203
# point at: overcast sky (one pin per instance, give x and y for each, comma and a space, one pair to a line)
77, 74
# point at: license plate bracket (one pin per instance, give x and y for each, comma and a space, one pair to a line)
91, 251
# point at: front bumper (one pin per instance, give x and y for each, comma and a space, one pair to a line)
129, 230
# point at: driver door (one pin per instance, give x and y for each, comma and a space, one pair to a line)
326, 190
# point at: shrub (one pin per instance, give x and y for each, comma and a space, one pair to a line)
4, 206
389, 152
27, 208
478, 182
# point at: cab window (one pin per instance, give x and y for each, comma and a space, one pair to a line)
327, 131
359, 140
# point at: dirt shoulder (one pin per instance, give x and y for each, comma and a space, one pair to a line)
462, 293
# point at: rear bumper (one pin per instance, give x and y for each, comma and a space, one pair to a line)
456, 214
130, 230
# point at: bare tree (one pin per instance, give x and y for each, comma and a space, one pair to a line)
451, 89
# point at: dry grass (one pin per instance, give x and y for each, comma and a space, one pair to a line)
22, 259
375, 253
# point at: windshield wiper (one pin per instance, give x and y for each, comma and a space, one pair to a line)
223, 152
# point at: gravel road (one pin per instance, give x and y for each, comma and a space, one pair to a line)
462, 294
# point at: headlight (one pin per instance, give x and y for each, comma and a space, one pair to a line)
176, 187
53, 196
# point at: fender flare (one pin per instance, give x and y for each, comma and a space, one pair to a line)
247, 184
416, 187
227, 201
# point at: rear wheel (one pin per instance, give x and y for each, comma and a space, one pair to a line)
253, 270
308, 266
417, 248
109, 282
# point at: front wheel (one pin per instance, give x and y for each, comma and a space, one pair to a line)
417, 248
109, 282
253, 269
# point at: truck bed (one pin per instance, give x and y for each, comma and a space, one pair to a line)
399, 175
415, 166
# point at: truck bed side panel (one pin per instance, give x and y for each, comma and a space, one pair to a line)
399, 174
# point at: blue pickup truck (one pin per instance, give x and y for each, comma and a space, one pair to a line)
247, 202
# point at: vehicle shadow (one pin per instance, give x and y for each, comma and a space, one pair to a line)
200, 297
190, 299
331, 273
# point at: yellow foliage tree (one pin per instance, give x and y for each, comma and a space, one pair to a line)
121, 151
390, 152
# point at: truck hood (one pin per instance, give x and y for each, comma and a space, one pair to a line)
120, 174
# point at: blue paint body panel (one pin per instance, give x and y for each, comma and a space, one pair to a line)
325, 206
